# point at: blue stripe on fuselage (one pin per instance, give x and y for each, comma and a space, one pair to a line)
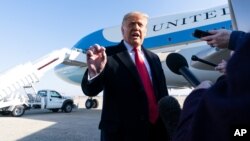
151, 42
181, 36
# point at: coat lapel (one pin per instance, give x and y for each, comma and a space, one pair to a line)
127, 61
153, 68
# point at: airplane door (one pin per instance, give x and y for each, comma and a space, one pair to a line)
54, 100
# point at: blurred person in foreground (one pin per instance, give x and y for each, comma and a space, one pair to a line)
211, 112
132, 80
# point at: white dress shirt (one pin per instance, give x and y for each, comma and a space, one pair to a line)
132, 55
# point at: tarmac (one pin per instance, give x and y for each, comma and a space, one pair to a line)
43, 125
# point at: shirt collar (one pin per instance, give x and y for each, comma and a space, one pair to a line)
129, 47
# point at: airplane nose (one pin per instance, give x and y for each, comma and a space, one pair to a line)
91, 39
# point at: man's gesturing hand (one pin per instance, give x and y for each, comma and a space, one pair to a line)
96, 59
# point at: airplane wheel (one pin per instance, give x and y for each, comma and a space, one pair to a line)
89, 103
95, 103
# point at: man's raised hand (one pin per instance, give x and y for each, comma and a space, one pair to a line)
96, 59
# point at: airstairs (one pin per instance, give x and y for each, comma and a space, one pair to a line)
27, 74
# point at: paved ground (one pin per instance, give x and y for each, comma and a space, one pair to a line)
79, 125
37, 125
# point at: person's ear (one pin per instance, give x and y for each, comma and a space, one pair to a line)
122, 30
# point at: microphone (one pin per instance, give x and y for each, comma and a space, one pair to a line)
170, 110
178, 64
195, 58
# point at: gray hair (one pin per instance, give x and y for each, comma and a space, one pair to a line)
132, 14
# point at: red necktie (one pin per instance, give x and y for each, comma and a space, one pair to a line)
141, 68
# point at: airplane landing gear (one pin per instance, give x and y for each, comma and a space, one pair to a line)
91, 103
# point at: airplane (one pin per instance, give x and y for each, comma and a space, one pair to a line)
166, 34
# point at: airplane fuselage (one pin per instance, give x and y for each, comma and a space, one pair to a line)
166, 34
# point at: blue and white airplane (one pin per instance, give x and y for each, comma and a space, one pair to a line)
166, 34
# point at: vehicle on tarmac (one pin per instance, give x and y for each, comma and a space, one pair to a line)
18, 103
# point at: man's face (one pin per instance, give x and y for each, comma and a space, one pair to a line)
134, 30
